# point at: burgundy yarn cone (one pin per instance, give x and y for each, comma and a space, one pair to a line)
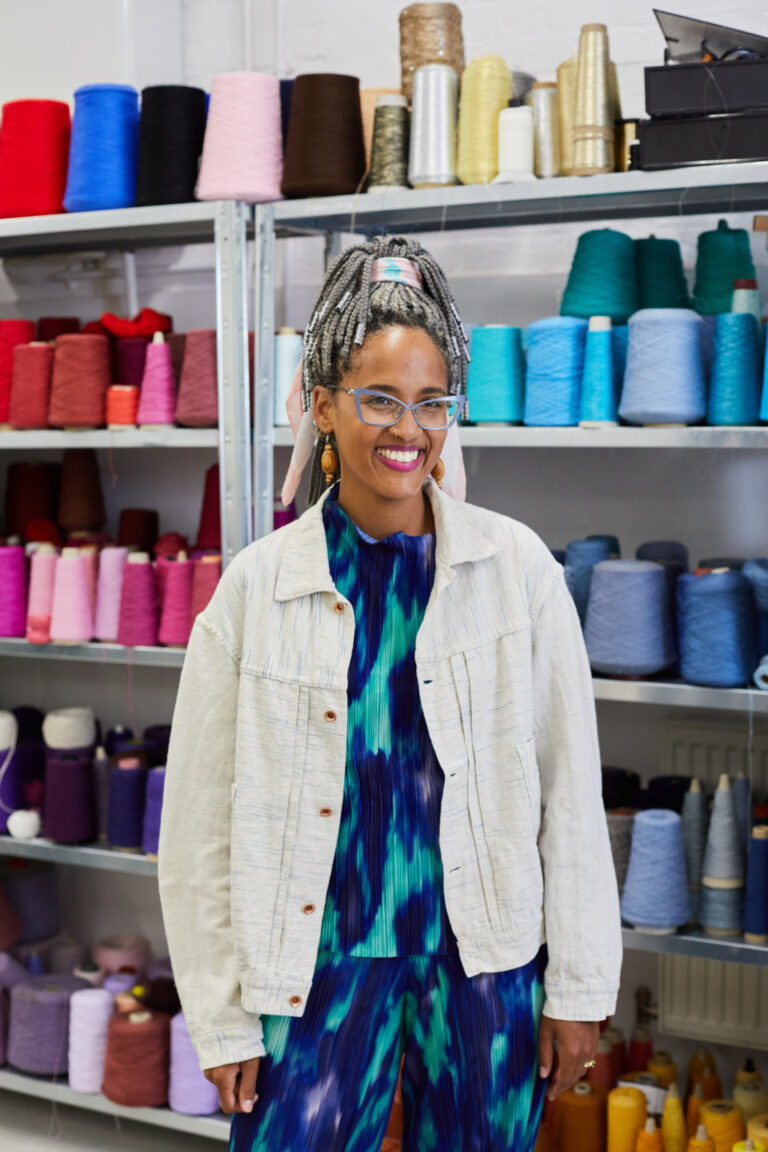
197, 405
209, 532
81, 502
138, 528
49, 327
10, 923
31, 493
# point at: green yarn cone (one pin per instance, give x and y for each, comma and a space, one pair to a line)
661, 280
602, 277
724, 255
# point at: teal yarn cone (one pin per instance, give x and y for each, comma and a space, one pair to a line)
661, 281
735, 382
620, 337
723, 256
764, 402
655, 896
602, 277
496, 375
599, 395
554, 371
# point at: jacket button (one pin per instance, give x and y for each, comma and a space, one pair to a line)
330, 716
308, 908
339, 606
295, 1001
326, 811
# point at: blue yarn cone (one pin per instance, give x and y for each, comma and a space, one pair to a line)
655, 896
664, 381
496, 375
599, 397
555, 367
628, 628
756, 894
103, 152
580, 559
717, 628
734, 388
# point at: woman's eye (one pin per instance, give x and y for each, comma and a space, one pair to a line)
433, 405
379, 402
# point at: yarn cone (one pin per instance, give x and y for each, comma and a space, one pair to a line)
673, 1124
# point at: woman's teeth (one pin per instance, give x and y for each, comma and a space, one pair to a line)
401, 456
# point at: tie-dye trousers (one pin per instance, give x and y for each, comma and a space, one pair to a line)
470, 1079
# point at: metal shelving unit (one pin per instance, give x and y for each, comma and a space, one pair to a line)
140, 657
59, 1092
676, 694
103, 438
698, 944
88, 856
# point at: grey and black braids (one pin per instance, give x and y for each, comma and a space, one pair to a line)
349, 306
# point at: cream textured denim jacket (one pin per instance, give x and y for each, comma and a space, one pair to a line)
256, 763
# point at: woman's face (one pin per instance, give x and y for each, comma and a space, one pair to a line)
403, 362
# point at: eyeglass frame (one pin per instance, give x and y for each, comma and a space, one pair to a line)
407, 406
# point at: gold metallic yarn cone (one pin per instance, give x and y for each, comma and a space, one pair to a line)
486, 88
429, 34
593, 121
567, 75
368, 100
389, 153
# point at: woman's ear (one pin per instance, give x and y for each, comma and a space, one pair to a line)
322, 406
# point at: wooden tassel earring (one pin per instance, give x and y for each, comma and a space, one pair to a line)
329, 461
438, 472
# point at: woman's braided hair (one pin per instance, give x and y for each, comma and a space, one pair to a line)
349, 306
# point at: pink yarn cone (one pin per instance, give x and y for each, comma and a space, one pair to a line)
158, 386
197, 405
138, 603
175, 625
91, 557
111, 565
243, 145
13, 591
71, 618
206, 576
42, 576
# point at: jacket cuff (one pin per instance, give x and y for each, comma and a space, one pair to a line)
229, 1046
585, 1004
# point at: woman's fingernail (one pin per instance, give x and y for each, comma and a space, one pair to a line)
542, 1071
247, 1105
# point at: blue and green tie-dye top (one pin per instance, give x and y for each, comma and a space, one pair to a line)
385, 896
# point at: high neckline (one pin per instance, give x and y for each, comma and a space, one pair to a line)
333, 508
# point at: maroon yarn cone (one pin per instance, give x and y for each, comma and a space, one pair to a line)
197, 405
209, 532
138, 606
138, 528
31, 493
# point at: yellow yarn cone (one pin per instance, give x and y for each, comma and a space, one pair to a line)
673, 1122
701, 1141
664, 1068
693, 1110
626, 1116
649, 1139
724, 1122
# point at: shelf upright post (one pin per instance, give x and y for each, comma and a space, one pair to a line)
264, 370
232, 365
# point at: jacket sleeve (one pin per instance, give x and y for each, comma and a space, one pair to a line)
581, 904
194, 850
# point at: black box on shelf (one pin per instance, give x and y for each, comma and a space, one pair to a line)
729, 139
723, 86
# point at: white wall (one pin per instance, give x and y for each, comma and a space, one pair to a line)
516, 275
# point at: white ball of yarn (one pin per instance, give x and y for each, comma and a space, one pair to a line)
70, 728
24, 824
8, 731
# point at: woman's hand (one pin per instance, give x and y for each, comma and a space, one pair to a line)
236, 1084
565, 1046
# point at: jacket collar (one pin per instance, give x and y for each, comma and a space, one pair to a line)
304, 566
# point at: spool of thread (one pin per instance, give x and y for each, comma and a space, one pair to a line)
11, 771
486, 88
723, 255
567, 76
757, 1128
580, 1119
288, 352
30, 494
752, 1099
38, 1032
626, 1117
123, 951
176, 602
152, 812
325, 152
138, 528
555, 367
12, 333
30, 385
130, 359
655, 897
197, 403
581, 557
601, 281
158, 386
49, 327
723, 869
34, 149
90, 1012
593, 138
724, 1123
111, 564
658, 338
748, 1073
619, 787
615, 1036
746, 298
432, 148
122, 406
71, 617
603, 1075
599, 394
620, 822
429, 34
13, 591
70, 730
204, 580
389, 147
171, 129
81, 503
717, 629
756, 893
756, 571
496, 375
741, 791
209, 528
81, 376
693, 1109
663, 1067
542, 99
649, 1138
700, 1141
515, 144
628, 626
103, 148
736, 377
369, 98
158, 735
673, 557
661, 279
188, 1092
711, 1084
137, 1059
127, 800
69, 810
242, 151
101, 774
694, 818
137, 624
